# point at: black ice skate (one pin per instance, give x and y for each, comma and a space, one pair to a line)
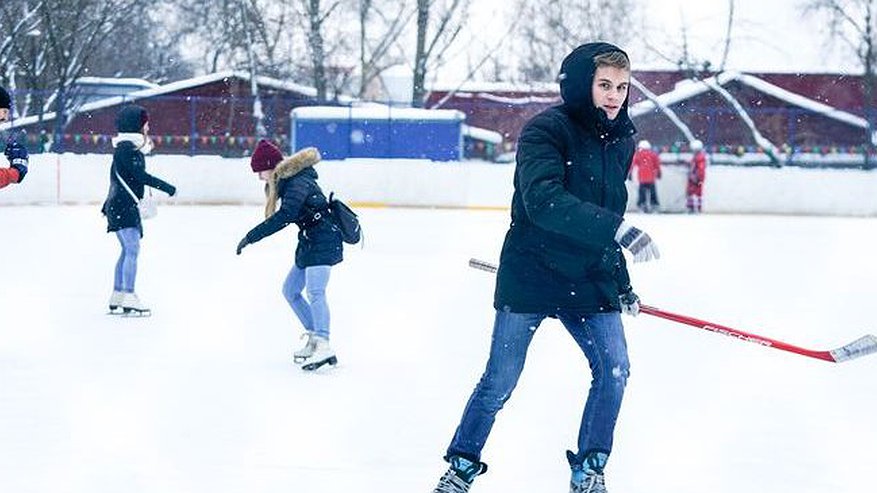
592, 483
587, 477
459, 475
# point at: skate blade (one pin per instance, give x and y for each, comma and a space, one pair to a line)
299, 359
131, 313
316, 365
117, 310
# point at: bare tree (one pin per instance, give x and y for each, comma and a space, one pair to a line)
54, 43
316, 16
21, 55
489, 58
272, 43
20, 17
273, 32
550, 29
147, 48
437, 29
853, 24
270, 36
692, 56
727, 50
688, 62
381, 24
74, 32
217, 26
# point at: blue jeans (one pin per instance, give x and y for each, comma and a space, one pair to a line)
601, 338
126, 267
313, 312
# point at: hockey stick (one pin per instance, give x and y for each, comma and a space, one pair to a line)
862, 346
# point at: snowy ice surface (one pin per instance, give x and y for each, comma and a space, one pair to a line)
203, 397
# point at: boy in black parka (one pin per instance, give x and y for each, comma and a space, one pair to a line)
562, 259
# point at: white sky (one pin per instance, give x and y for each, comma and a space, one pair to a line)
767, 35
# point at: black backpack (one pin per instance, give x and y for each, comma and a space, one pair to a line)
346, 220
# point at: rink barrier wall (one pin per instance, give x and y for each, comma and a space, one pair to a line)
83, 179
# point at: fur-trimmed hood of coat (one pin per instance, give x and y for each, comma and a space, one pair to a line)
290, 166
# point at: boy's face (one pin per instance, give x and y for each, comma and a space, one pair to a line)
610, 89
4, 114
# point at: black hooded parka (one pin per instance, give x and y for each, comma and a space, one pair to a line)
559, 255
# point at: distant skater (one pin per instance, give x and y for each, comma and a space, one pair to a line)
128, 176
293, 181
648, 171
696, 177
14, 151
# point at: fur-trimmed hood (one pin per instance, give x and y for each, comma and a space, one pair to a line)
287, 168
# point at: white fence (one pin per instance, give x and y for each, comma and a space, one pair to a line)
83, 179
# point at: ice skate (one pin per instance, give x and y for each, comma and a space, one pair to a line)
323, 355
307, 351
587, 477
459, 475
115, 303
132, 307
591, 483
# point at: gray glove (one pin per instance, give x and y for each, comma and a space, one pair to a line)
244, 242
629, 303
637, 242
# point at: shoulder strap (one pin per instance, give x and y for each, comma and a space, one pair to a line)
127, 188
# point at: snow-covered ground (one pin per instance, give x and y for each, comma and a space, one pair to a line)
203, 397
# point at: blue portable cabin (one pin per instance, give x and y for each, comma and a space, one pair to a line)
378, 131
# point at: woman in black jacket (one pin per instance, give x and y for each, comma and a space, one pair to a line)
294, 181
128, 175
562, 259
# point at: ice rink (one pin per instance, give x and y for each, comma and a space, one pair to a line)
203, 396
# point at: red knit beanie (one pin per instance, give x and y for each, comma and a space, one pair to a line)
265, 157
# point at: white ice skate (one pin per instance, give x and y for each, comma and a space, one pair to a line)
132, 307
323, 355
307, 351
115, 303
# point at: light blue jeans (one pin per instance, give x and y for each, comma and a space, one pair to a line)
126, 267
313, 312
601, 338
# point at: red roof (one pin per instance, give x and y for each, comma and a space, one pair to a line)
709, 116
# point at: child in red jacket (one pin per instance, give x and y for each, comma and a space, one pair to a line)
648, 166
15, 152
696, 177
